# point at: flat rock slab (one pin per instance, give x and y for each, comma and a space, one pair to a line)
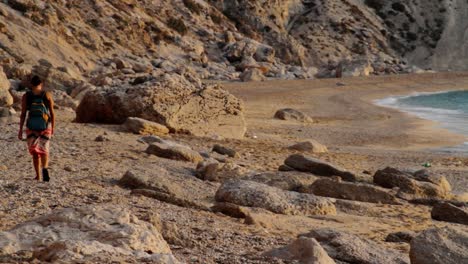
158, 183
254, 194
304, 250
450, 213
310, 146
288, 181
352, 191
174, 151
292, 114
350, 248
447, 245
315, 166
84, 234
144, 127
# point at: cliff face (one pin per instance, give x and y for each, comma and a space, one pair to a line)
218, 39
430, 34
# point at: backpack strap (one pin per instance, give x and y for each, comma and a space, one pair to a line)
43, 95
28, 99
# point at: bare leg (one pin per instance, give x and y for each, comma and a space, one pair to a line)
37, 166
45, 165
45, 161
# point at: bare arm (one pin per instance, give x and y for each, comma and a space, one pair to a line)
52, 111
22, 117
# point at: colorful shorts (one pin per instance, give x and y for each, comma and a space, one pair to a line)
38, 141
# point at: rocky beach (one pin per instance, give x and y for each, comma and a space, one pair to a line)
223, 132
196, 210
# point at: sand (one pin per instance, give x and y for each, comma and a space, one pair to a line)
361, 136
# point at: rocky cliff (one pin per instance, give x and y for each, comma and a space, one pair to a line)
221, 39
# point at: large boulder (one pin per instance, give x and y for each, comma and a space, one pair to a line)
440, 246
411, 186
5, 97
171, 150
450, 213
350, 248
144, 127
315, 166
292, 114
304, 249
87, 234
253, 194
170, 100
352, 191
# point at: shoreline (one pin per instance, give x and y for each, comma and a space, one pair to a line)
352, 107
392, 102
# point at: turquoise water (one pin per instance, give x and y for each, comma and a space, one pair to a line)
449, 109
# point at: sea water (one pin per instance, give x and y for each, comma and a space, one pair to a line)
449, 109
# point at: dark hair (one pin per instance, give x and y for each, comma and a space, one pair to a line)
35, 81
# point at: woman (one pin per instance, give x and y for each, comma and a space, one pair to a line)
40, 124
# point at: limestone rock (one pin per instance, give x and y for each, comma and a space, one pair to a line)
305, 250
170, 100
356, 68
81, 234
398, 237
450, 213
62, 99
208, 171
252, 74
157, 183
440, 246
5, 97
253, 194
80, 91
409, 185
284, 167
310, 146
317, 167
55, 79
292, 114
225, 151
172, 150
426, 176
350, 248
214, 171
352, 191
288, 181
144, 127
151, 139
